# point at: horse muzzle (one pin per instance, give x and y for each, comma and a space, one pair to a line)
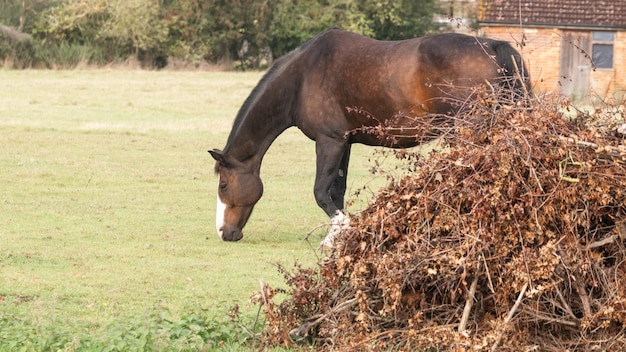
230, 234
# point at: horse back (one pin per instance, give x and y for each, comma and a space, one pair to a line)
352, 81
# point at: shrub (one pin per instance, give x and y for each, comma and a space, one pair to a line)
195, 330
512, 239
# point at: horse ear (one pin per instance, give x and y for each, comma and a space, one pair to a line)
218, 155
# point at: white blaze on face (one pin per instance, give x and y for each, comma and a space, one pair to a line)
219, 213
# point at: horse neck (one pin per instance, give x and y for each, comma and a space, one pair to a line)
252, 137
266, 113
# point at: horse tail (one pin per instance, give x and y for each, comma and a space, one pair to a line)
516, 75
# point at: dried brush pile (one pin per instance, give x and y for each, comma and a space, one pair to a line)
513, 239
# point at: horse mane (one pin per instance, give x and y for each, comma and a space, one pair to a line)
274, 73
268, 77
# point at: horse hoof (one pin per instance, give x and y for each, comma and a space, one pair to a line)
338, 223
327, 244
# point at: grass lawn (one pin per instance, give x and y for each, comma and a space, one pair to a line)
107, 197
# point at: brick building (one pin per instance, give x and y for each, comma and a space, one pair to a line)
573, 47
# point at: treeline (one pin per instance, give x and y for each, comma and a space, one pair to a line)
157, 33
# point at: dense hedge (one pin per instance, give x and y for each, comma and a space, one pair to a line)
58, 33
513, 239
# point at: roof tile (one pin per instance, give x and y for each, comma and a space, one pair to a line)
577, 13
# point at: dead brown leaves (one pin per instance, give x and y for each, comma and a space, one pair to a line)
513, 239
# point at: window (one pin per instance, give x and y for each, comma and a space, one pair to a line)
602, 49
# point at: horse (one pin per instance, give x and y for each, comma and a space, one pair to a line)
337, 87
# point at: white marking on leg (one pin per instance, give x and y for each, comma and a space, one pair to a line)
338, 223
219, 214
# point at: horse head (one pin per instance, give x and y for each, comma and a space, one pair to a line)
239, 189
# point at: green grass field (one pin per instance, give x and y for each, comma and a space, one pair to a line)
108, 197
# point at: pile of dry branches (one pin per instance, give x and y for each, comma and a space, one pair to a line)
512, 239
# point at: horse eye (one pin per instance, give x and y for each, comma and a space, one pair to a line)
223, 186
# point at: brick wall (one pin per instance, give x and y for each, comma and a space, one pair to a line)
617, 76
542, 55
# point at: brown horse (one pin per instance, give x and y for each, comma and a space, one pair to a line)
336, 88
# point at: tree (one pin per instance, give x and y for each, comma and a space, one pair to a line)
22, 14
135, 24
216, 29
188, 29
206, 30
71, 21
399, 19
296, 21
236, 22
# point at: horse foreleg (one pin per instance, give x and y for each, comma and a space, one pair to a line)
338, 188
332, 156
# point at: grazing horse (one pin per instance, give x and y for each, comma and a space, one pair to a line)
340, 86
